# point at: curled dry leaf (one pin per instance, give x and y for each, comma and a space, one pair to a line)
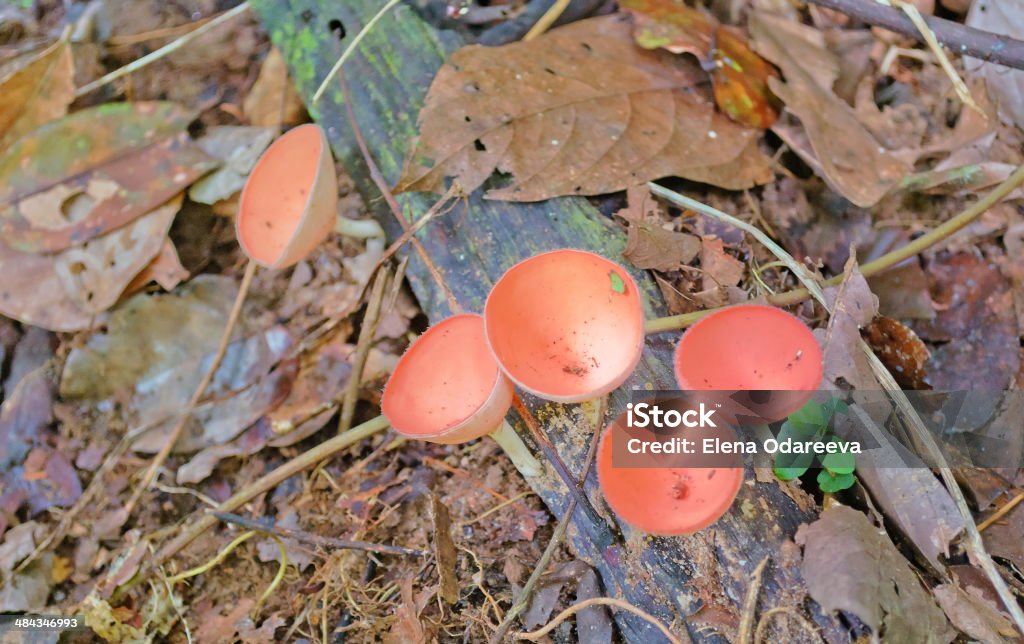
98, 169
238, 148
974, 615
156, 349
36, 92
580, 110
67, 290
850, 565
273, 101
738, 75
846, 155
1005, 85
853, 306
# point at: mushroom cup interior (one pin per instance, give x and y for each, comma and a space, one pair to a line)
566, 325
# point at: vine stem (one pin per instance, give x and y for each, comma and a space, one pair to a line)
179, 427
269, 481
890, 259
535, 636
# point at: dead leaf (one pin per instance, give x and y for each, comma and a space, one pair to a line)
720, 269
238, 148
738, 75
649, 246
850, 565
223, 629
976, 318
1005, 538
903, 292
273, 101
1005, 85
847, 155
900, 350
919, 506
853, 306
66, 291
973, 615
299, 555
579, 110
81, 176
593, 624
407, 628
155, 350
165, 269
444, 550
37, 92
322, 378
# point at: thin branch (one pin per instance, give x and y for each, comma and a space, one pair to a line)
960, 39
746, 629
163, 51
599, 601
179, 428
352, 47
316, 539
1001, 512
553, 13
890, 259
363, 345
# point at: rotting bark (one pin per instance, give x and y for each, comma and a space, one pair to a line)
671, 578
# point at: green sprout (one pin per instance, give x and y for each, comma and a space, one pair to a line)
809, 425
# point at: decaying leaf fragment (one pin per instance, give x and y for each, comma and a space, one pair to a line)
98, 169
850, 565
847, 156
580, 110
738, 75
36, 92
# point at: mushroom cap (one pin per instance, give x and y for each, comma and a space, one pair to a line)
666, 501
567, 325
447, 388
752, 348
290, 201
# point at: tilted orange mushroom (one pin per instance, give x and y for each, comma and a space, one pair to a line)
290, 202
447, 388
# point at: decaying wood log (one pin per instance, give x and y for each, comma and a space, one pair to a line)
694, 583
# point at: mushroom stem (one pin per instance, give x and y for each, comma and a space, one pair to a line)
521, 456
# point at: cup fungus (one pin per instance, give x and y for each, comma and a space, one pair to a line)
768, 357
566, 325
666, 501
447, 388
290, 202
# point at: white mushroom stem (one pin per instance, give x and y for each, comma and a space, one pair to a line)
521, 456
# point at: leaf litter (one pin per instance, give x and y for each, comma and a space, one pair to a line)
825, 191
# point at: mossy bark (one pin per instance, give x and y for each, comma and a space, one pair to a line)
687, 581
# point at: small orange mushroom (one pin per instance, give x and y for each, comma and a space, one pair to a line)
447, 388
666, 501
566, 325
290, 202
768, 357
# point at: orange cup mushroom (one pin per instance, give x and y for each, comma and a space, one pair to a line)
566, 325
448, 389
290, 202
665, 501
768, 357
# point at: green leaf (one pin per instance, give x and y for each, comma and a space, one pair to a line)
830, 484
788, 473
618, 285
840, 462
798, 431
810, 415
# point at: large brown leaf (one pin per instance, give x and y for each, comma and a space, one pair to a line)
98, 169
36, 92
850, 565
581, 110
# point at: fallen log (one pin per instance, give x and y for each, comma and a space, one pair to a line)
694, 584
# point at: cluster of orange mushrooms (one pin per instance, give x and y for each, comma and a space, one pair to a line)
565, 326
